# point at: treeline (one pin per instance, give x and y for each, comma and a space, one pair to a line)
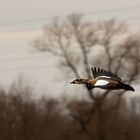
24, 118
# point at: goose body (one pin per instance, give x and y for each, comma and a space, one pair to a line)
103, 79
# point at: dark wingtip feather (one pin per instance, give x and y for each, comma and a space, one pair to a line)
102, 70
94, 69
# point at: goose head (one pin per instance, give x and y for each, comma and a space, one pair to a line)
79, 81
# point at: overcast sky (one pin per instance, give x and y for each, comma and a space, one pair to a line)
12, 10
21, 21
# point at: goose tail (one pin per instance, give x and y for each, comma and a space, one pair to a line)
126, 86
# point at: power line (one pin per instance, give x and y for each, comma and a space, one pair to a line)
113, 10
88, 13
136, 18
92, 13
25, 68
30, 28
22, 58
104, 11
30, 37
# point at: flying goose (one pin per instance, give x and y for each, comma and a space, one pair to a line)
103, 79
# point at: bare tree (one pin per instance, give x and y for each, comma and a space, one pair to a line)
75, 41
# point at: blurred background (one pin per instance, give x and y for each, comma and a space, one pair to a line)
44, 45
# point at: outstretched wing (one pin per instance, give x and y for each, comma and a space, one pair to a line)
103, 73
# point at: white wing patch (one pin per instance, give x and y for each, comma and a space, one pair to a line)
101, 83
105, 76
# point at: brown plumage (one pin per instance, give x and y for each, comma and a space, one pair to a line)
103, 79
